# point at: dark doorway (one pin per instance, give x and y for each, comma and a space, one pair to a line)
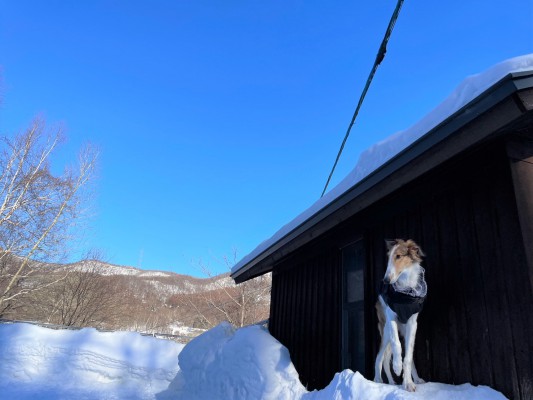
353, 307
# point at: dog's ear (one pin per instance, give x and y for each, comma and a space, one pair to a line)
415, 251
390, 243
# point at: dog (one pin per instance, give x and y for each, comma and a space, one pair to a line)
400, 301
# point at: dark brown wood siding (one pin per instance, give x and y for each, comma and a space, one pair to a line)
520, 151
305, 314
477, 323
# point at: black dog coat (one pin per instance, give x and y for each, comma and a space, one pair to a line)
402, 304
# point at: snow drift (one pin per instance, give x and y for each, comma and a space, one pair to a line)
41, 363
223, 363
249, 363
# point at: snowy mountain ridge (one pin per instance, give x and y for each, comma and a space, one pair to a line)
165, 283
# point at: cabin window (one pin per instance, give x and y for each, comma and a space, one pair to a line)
353, 306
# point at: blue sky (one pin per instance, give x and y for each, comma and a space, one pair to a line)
218, 121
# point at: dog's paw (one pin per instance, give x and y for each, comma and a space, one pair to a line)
397, 365
378, 379
419, 381
409, 386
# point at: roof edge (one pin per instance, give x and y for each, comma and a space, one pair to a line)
497, 92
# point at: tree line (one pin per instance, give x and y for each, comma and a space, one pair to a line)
41, 214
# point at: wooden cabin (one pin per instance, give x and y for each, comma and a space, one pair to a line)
464, 192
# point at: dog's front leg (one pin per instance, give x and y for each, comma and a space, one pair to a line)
410, 334
395, 344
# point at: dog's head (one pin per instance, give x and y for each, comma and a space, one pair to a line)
403, 254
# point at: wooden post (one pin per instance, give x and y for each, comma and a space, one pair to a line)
520, 153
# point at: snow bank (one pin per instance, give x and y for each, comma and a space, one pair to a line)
349, 385
227, 364
223, 363
248, 364
43, 363
381, 152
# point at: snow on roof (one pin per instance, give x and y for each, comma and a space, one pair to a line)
381, 152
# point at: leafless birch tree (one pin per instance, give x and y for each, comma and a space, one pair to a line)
37, 208
82, 297
242, 304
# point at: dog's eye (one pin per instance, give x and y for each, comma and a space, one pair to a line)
398, 256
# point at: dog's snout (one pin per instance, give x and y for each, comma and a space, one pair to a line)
386, 280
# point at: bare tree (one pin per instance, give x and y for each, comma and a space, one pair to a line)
37, 208
242, 304
82, 297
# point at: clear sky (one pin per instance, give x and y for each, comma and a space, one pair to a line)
219, 121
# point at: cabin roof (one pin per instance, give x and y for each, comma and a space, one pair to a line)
481, 107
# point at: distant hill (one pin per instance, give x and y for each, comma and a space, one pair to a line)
96, 293
162, 283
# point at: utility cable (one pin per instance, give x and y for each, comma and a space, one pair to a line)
379, 58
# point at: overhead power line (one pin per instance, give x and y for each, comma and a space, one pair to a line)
379, 58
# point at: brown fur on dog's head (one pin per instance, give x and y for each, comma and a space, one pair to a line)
406, 248
402, 254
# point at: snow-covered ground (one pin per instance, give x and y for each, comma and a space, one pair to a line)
41, 363
223, 363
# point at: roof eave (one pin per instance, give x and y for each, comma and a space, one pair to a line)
499, 96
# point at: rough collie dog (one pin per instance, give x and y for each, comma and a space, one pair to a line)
401, 298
